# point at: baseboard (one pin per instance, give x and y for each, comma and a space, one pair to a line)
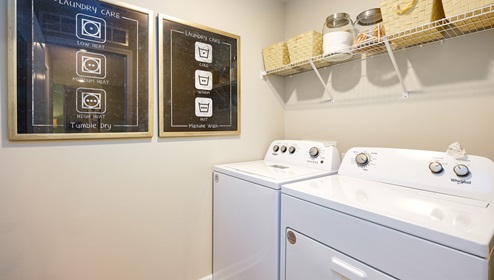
209, 277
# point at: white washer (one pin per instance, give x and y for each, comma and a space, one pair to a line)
391, 214
246, 206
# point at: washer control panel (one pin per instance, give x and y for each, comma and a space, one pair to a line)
313, 154
470, 177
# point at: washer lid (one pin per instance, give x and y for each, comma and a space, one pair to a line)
461, 223
269, 173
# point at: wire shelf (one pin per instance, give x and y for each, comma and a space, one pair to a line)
467, 23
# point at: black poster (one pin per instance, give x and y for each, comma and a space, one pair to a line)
82, 70
199, 80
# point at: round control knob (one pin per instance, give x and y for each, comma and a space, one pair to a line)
314, 152
461, 170
291, 149
362, 159
283, 149
436, 167
276, 148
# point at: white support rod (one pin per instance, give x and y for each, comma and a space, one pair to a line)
395, 65
320, 79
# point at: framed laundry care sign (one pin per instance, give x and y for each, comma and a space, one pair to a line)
199, 80
79, 70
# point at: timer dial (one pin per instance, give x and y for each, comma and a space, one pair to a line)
362, 159
461, 170
314, 152
436, 167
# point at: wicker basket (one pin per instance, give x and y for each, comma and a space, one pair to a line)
304, 46
457, 7
275, 56
401, 15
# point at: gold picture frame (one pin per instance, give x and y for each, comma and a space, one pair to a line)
199, 80
79, 70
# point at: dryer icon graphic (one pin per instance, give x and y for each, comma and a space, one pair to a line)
90, 28
90, 101
90, 65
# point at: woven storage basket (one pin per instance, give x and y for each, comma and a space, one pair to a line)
401, 15
304, 46
275, 56
458, 7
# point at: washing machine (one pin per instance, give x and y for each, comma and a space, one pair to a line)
391, 214
246, 206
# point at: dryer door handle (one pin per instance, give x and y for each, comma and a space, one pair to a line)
342, 268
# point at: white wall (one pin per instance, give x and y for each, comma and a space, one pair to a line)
131, 209
451, 92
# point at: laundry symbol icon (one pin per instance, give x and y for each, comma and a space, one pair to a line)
204, 107
203, 52
90, 28
90, 65
90, 101
204, 80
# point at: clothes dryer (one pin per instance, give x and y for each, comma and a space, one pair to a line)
391, 214
246, 206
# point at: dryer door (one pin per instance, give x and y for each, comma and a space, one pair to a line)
306, 258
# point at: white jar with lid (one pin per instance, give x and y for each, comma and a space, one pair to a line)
338, 34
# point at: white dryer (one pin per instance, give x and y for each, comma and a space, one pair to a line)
391, 214
246, 206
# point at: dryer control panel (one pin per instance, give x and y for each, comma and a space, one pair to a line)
469, 177
312, 154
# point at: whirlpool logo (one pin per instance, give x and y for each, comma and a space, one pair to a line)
461, 181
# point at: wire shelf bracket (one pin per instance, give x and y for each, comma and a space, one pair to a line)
321, 80
395, 65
